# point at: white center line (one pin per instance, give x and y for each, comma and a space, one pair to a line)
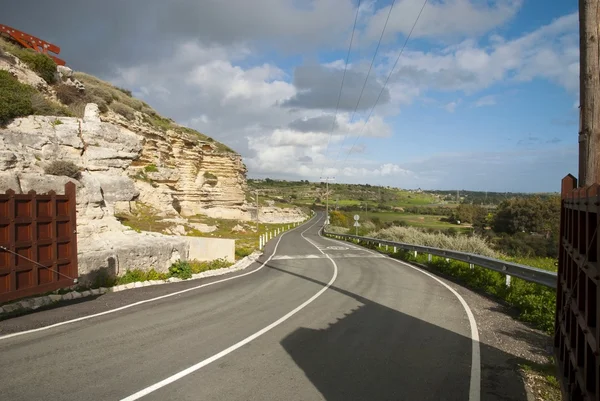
241, 343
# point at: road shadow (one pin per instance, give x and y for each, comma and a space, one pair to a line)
378, 353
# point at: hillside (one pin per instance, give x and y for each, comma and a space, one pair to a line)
130, 165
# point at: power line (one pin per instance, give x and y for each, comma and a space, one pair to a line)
367, 78
342, 85
386, 81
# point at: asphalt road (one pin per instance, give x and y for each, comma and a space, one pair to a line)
315, 320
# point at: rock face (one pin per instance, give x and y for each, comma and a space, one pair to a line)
190, 175
104, 152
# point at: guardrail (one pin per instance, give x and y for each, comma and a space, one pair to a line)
527, 273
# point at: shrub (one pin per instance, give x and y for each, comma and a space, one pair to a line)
44, 107
102, 93
43, 65
180, 269
150, 168
68, 94
15, 98
102, 105
133, 103
411, 235
123, 110
63, 168
202, 266
242, 252
135, 275
125, 91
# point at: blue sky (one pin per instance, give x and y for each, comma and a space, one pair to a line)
484, 96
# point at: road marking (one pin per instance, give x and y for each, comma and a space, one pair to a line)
241, 343
325, 256
475, 383
79, 319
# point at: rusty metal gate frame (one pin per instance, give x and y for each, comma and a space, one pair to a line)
577, 331
38, 242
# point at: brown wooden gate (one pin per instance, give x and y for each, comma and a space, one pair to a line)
577, 298
38, 242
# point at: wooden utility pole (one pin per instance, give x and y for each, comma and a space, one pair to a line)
589, 92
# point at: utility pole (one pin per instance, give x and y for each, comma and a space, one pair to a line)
589, 93
327, 179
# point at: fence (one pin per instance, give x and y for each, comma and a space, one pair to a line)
577, 330
532, 274
38, 242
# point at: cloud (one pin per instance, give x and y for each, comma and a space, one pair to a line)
451, 106
304, 159
322, 123
554, 140
550, 52
488, 100
443, 19
318, 87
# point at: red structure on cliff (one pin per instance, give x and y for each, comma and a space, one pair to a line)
31, 42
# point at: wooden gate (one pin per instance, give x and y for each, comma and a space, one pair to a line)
38, 242
577, 298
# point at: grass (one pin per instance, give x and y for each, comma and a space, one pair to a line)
145, 218
246, 241
545, 384
151, 168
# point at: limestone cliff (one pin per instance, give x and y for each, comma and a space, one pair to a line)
129, 158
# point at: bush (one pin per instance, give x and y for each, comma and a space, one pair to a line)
180, 269
68, 94
101, 93
123, 110
151, 168
199, 267
43, 65
44, 107
15, 98
135, 275
242, 252
125, 91
411, 235
63, 168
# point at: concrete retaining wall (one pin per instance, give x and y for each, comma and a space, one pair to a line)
211, 248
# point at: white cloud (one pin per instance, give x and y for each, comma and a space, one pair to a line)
488, 100
451, 106
442, 19
550, 52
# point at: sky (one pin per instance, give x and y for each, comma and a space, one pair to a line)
483, 95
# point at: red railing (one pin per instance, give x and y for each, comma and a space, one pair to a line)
31, 42
577, 298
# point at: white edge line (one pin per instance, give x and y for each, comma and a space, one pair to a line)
475, 383
241, 343
79, 319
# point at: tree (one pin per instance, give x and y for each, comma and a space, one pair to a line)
531, 215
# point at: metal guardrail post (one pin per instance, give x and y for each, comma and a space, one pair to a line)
429, 257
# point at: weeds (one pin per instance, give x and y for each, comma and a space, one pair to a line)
181, 269
151, 168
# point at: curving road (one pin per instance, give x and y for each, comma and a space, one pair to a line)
314, 319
